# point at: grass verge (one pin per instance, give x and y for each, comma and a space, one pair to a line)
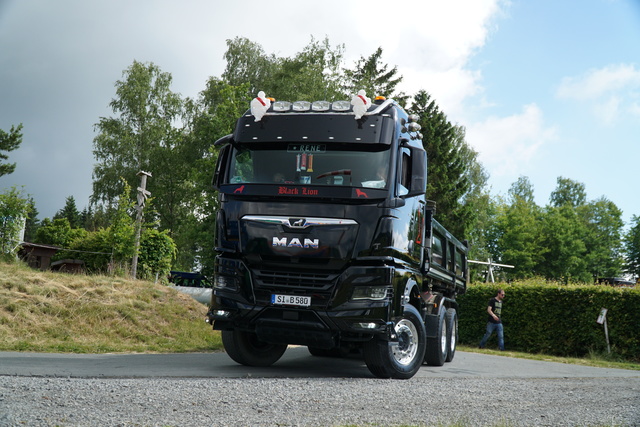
55, 312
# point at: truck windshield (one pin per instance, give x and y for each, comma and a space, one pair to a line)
361, 165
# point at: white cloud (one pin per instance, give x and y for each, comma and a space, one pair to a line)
596, 84
609, 92
431, 42
507, 144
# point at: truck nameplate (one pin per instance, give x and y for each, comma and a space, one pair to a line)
295, 243
306, 148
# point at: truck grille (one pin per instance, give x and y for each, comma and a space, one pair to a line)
287, 280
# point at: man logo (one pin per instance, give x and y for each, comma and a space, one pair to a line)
297, 222
295, 243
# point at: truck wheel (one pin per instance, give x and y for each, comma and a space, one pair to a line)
452, 333
403, 358
436, 352
246, 349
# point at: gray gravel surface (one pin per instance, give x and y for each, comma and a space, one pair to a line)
41, 401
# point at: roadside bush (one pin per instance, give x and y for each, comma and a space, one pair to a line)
541, 317
157, 250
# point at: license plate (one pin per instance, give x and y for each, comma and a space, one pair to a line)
291, 300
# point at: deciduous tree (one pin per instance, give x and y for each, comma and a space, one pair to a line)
14, 210
142, 131
632, 247
315, 73
603, 238
568, 192
563, 239
519, 237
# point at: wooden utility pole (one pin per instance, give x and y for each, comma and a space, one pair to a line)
142, 197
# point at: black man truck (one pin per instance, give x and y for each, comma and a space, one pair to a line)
325, 239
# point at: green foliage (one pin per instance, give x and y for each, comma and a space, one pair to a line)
14, 210
375, 77
568, 192
517, 232
563, 234
632, 247
248, 64
111, 248
546, 317
603, 238
146, 109
312, 74
58, 233
123, 229
571, 240
70, 212
9, 141
33, 223
449, 160
157, 250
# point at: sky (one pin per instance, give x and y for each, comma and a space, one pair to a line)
545, 88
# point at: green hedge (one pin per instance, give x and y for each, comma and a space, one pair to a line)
541, 317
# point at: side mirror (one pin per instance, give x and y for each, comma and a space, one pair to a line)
418, 172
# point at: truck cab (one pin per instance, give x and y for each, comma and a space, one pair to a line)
325, 238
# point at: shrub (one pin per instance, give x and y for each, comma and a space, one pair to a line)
542, 317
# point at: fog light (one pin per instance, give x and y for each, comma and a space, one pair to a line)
369, 292
366, 325
221, 313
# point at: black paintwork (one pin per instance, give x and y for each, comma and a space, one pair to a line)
388, 243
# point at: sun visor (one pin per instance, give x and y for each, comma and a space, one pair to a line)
315, 128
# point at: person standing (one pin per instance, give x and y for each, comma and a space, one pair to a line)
494, 321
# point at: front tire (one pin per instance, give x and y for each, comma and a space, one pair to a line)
399, 359
436, 352
246, 349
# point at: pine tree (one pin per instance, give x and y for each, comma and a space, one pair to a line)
447, 178
9, 141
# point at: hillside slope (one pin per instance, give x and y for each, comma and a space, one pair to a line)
57, 312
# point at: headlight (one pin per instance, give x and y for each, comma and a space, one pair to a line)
369, 292
228, 283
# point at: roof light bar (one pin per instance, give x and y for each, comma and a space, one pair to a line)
281, 106
341, 106
301, 106
320, 105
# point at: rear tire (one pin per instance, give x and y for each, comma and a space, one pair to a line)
452, 333
436, 352
401, 359
246, 349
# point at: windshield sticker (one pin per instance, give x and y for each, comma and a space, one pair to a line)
306, 148
298, 191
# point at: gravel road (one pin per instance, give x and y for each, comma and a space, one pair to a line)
41, 401
301, 390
